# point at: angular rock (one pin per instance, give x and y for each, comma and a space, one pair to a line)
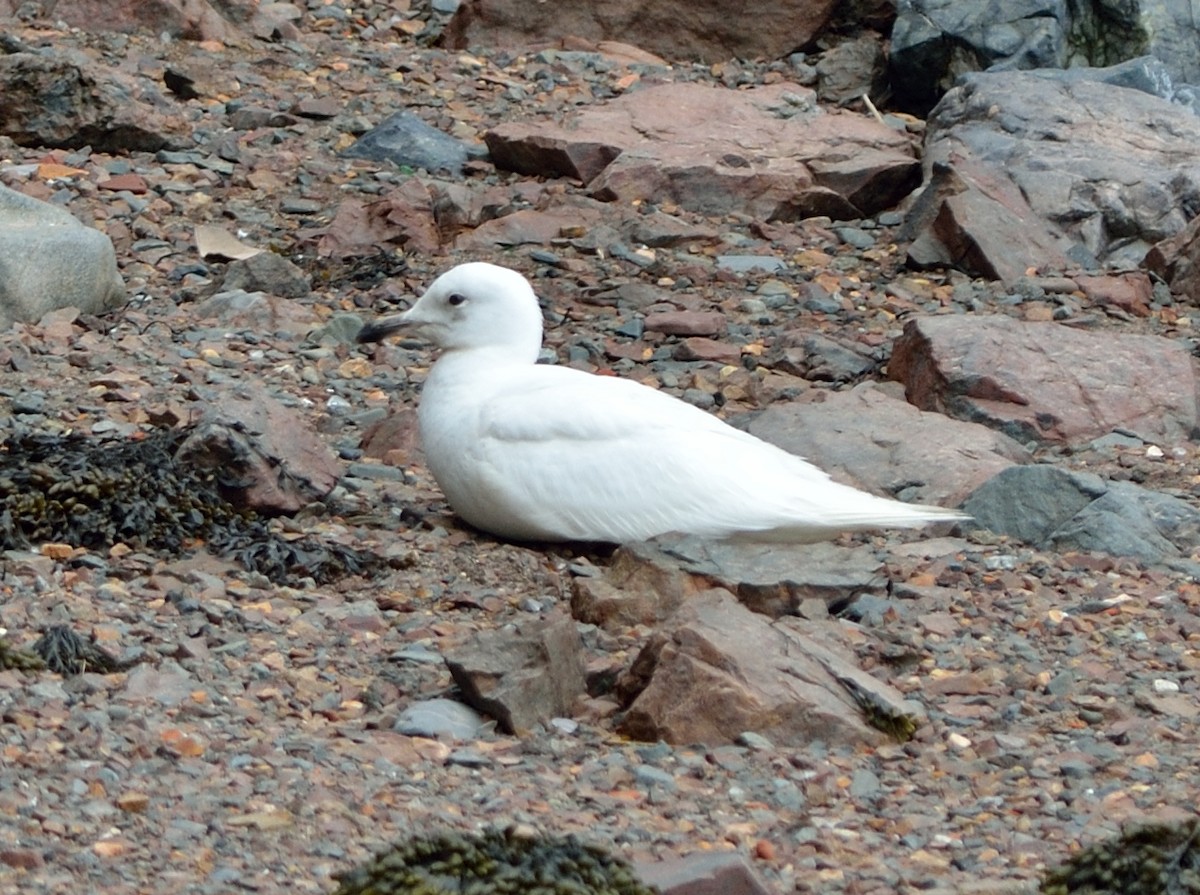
49, 260
184, 19
1113, 169
403, 138
868, 439
1057, 509
522, 679
270, 459
642, 585
777, 156
402, 218
717, 670
674, 29
267, 272
258, 312
818, 358
589, 224
69, 102
1047, 382
934, 42
776, 580
712, 873
973, 218
1130, 292
1177, 260
687, 323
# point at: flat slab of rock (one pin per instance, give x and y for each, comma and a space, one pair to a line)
675, 29
777, 580
777, 155
717, 670
1045, 381
712, 873
269, 457
1110, 167
49, 261
1058, 509
522, 678
871, 440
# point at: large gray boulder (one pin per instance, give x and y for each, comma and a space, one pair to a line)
49, 260
934, 42
1105, 170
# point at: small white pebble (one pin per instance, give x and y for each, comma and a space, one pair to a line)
958, 741
1161, 685
1154, 452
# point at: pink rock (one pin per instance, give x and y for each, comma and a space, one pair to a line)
715, 670
776, 155
1046, 381
703, 873
676, 29
187, 19
686, 323
404, 217
1130, 292
269, 455
1177, 260
868, 439
973, 218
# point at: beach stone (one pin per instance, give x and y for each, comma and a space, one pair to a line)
703, 30
1177, 260
870, 439
267, 272
716, 669
521, 678
1047, 382
185, 19
1059, 509
972, 217
49, 261
403, 138
1109, 167
777, 155
776, 580
933, 42
270, 457
439, 718
68, 101
712, 873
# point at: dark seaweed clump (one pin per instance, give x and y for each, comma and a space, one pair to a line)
496, 862
95, 493
65, 652
1155, 859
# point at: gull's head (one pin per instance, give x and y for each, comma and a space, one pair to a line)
471, 306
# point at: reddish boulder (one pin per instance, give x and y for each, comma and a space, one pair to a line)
871, 440
702, 29
1045, 381
973, 218
716, 670
1177, 260
776, 156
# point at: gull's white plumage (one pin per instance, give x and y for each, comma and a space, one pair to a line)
535, 452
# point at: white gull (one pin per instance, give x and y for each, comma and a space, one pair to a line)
535, 452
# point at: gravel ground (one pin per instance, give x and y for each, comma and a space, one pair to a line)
250, 746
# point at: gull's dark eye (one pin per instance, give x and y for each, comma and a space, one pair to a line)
456, 299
